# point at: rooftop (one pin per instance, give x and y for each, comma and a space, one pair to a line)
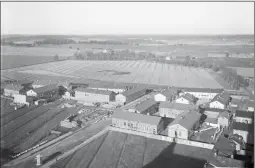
204, 90
16, 87
222, 98
145, 105
187, 119
220, 161
133, 91
190, 98
153, 120
214, 110
169, 93
178, 106
45, 88
224, 114
103, 92
225, 145
243, 127
245, 114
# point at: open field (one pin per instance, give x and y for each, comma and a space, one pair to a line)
124, 150
137, 72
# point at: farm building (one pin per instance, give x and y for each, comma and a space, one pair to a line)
114, 87
168, 95
220, 101
244, 117
131, 95
148, 107
213, 112
44, 92
224, 119
184, 125
244, 130
11, 89
92, 95
74, 86
203, 93
172, 110
187, 99
23, 99
137, 122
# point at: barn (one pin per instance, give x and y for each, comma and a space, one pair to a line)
131, 95
92, 95
184, 125
172, 109
187, 99
168, 95
44, 92
137, 122
148, 107
203, 93
109, 87
220, 101
244, 117
213, 112
244, 130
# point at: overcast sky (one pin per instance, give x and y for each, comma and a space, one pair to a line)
127, 17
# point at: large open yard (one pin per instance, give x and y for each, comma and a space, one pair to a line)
138, 72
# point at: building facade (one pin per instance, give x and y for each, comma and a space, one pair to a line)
137, 122
244, 117
131, 95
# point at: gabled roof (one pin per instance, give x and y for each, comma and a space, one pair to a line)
222, 98
224, 114
148, 119
45, 88
133, 91
243, 127
103, 92
189, 97
245, 114
145, 105
225, 145
177, 106
187, 119
203, 90
169, 93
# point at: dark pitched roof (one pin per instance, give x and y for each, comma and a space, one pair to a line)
145, 105
204, 90
222, 98
189, 97
243, 127
133, 91
153, 120
169, 93
244, 114
215, 110
178, 106
45, 88
103, 92
225, 145
24, 82
187, 119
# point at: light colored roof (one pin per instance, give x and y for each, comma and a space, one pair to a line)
145, 105
178, 106
45, 88
103, 92
187, 119
152, 120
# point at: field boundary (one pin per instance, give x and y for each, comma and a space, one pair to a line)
165, 138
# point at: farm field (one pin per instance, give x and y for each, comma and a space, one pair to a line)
125, 150
135, 72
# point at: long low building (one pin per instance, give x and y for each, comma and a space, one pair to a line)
172, 109
137, 122
244, 130
203, 93
131, 95
92, 95
148, 107
244, 117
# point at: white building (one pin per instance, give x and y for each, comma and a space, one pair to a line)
22, 99
168, 95
220, 101
244, 117
186, 99
131, 95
